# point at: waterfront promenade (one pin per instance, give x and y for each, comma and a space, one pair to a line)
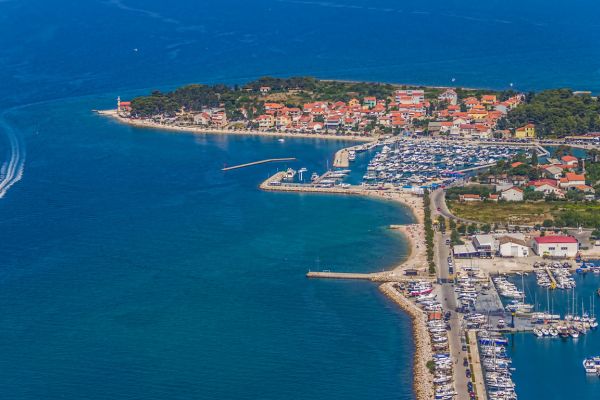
144, 123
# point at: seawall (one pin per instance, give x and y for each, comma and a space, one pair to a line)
422, 378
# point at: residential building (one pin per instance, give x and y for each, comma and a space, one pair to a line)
201, 119
488, 99
572, 180
467, 198
547, 186
553, 172
525, 132
512, 194
570, 161
450, 96
370, 102
265, 121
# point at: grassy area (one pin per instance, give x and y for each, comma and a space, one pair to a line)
502, 213
528, 213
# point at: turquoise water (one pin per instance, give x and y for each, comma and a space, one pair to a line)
550, 368
133, 268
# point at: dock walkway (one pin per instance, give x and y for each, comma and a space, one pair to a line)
552, 279
269, 160
476, 367
385, 276
339, 275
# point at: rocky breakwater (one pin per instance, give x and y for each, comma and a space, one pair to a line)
422, 380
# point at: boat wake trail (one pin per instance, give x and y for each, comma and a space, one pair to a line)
12, 169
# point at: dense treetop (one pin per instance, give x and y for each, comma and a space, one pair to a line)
557, 113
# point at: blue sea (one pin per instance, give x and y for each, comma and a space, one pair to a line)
551, 368
133, 268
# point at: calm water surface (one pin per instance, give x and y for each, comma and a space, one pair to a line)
133, 268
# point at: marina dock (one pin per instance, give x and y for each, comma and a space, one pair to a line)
269, 160
476, 368
552, 279
341, 158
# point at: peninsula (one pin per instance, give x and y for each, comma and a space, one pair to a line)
472, 165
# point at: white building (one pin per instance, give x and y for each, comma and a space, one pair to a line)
512, 194
450, 96
512, 247
485, 245
556, 246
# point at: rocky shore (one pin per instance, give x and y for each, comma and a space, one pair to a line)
422, 378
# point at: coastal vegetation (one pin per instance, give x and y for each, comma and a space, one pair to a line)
549, 213
293, 92
557, 113
428, 231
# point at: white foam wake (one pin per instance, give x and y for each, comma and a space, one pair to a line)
12, 169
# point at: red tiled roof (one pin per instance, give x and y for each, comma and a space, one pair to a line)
555, 239
574, 177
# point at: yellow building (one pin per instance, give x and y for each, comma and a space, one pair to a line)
525, 132
354, 103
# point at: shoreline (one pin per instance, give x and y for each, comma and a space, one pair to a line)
215, 131
422, 378
415, 257
414, 232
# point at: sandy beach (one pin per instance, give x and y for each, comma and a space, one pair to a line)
414, 233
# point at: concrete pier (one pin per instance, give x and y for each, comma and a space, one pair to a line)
341, 160
385, 276
269, 160
339, 275
476, 367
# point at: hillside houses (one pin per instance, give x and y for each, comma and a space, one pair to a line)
399, 113
517, 181
274, 107
471, 117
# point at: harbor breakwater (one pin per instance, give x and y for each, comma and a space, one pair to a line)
422, 378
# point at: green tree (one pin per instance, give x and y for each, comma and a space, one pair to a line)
455, 238
472, 229
534, 157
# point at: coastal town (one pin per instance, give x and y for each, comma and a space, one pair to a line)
500, 209
404, 110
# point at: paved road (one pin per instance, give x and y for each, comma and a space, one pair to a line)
447, 297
